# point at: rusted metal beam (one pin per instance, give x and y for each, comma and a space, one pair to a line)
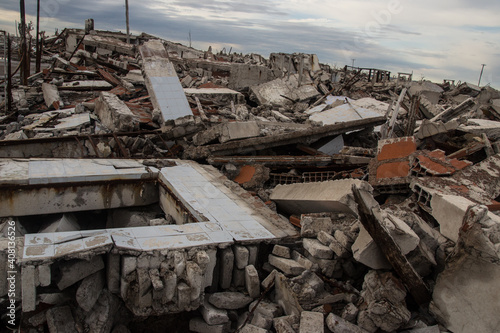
370, 218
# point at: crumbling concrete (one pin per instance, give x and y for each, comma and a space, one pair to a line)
115, 114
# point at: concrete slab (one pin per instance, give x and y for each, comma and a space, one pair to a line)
329, 196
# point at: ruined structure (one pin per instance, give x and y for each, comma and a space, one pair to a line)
154, 185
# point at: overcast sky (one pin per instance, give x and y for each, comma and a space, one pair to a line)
446, 39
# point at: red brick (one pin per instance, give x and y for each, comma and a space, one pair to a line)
397, 149
393, 170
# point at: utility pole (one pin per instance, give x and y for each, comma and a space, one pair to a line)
128, 28
189, 38
9, 75
25, 69
38, 46
480, 75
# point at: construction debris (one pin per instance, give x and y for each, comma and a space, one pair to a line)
152, 185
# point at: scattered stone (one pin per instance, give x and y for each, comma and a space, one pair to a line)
229, 300
311, 322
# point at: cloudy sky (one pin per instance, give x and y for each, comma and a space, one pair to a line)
436, 40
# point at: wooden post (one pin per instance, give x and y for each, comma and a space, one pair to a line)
128, 28
38, 42
24, 47
9, 75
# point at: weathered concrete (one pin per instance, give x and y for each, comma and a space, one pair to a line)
311, 322
89, 290
465, 298
281, 251
226, 268
229, 300
74, 271
329, 196
271, 93
238, 130
339, 325
60, 320
28, 288
51, 96
213, 315
200, 326
287, 266
115, 114
317, 249
312, 225
252, 281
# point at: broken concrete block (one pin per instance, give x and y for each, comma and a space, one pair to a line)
115, 114
213, 315
269, 280
194, 279
89, 290
272, 92
307, 287
428, 128
60, 320
308, 264
129, 264
281, 251
238, 130
325, 238
102, 316
285, 324
249, 328
341, 244
113, 272
252, 176
154, 275
266, 308
226, 268
367, 252
183, 295
329, 196
449, 212
253, 251
28, 288
51, 96
179, 262
287, 266
169, 286
76, 270
384, 296
229, 300
285, 297
252, 281
67, 222
428, 329
339, 325
316, 249
241, 256
312, 225
44, 275
350, 312
471, 277
311, 322
200, 326
208, 276
262, 321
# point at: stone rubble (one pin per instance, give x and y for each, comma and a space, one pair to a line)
291, 142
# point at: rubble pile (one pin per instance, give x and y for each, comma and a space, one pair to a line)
221, 192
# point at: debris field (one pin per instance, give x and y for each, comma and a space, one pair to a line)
159, 188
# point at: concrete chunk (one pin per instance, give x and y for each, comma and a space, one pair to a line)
241, 256
311, 322
229, 300
249, 328
316, 249
329, 196
338, 325
226, 268
89, 290
213, 315
51, 96
238, 130
60, 320
74, 271
28, 288
287, 266
311, 225
281, 251
252, 281
115, 114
